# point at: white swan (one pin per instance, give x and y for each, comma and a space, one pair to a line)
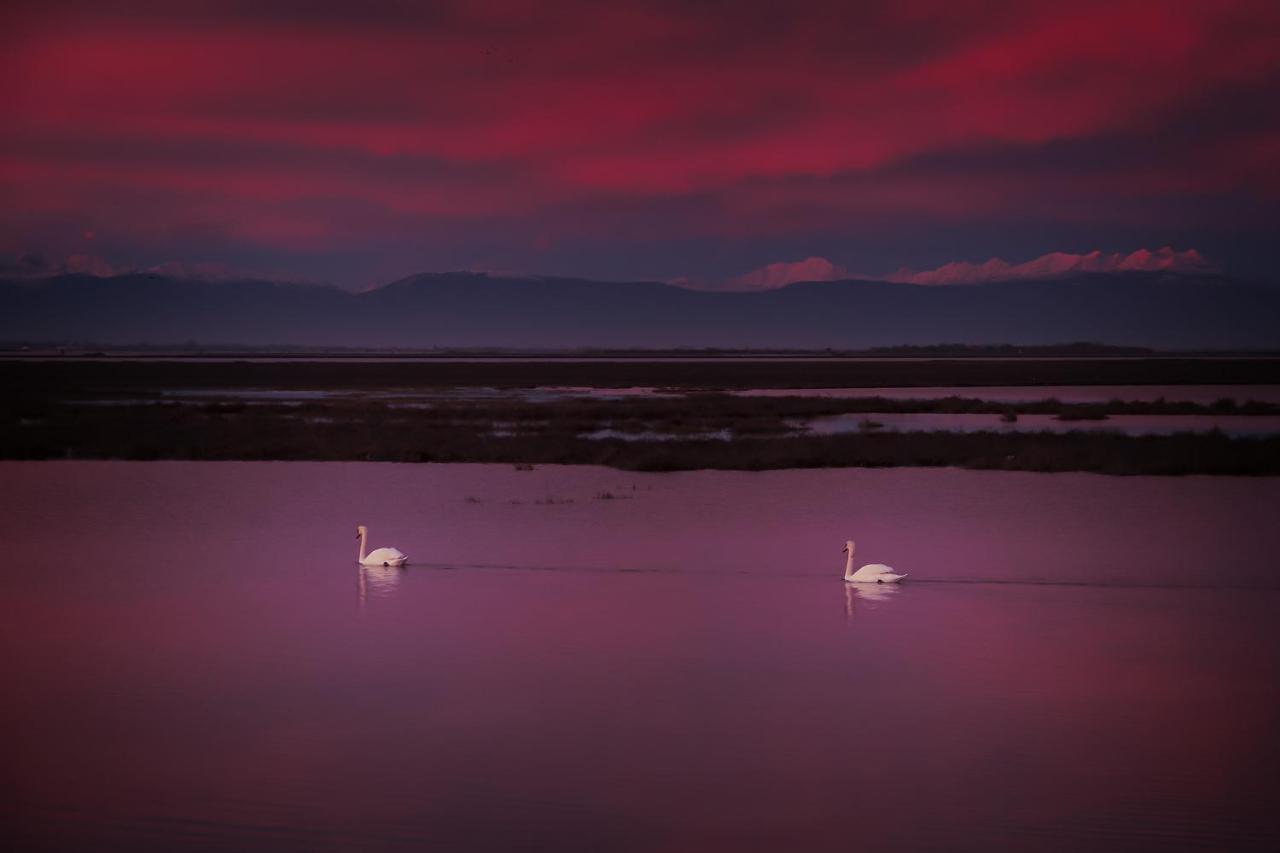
870, 573
380, 557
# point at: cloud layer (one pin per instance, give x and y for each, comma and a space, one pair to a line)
518, 133
1052, 265
777, 275
1056, 265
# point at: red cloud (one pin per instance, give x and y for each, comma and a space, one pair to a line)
783, 273
290, 134
1056, 264
1052, 265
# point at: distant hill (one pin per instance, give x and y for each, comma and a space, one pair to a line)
1144, 309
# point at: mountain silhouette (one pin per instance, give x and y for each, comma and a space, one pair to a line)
477, 310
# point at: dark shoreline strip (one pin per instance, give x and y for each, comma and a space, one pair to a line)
54, 377
239, 438
39, 417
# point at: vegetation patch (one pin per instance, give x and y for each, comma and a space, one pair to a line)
80, 415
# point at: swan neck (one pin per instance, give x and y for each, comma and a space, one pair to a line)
360, 559
848, 565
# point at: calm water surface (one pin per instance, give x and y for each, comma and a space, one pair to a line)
586, 659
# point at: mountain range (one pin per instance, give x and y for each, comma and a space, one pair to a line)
1142, 308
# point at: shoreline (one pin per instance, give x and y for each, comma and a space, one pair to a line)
43, 378
1100, 453
360, 412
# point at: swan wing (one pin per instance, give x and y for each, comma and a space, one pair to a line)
874, 571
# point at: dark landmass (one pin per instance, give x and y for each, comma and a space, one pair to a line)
29, 379
452, 310
46, 349
237, 432
118, 410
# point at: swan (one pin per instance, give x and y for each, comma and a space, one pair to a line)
870, 573
381, 556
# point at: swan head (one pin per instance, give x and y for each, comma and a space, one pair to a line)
848, 547
361, 531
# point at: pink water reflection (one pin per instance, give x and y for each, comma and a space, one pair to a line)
198, 668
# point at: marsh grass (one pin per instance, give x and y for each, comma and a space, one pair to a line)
153, 432
1082, 413
54, 422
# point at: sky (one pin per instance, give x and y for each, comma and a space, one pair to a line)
699, 142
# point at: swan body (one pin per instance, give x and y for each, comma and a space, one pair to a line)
390, 557
870, 573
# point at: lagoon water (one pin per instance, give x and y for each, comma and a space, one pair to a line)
588, 659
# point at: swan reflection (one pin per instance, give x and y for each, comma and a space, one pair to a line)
376, 581
873, 592
867, 592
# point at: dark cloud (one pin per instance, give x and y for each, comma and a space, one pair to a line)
719, 136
